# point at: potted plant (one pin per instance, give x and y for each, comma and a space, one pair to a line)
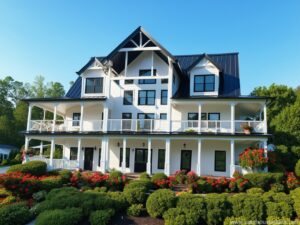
247, 128
253, 159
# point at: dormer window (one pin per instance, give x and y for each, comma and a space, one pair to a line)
204, 83
94, 85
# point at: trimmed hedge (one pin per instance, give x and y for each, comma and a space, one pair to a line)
218, 208
236, 221
160, 201
101, 217
135, 210
179, 216
296, 196
69, 216
158, 176
36, 168
15, 214
297, 168
136, 193
264, 180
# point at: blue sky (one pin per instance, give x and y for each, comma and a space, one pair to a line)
56, 38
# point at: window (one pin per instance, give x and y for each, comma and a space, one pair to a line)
126, 116
128, 82
146, 98
73, 153
126, 121
213, 116
93, 85
76, 119
220, 161
164, 97
147, 73
99, 157
203, 83
127, 157
146, 116
145, 121
192, 116
164, 81
163, 116
128, 98
161, 159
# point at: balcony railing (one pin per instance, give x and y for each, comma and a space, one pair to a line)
147, 125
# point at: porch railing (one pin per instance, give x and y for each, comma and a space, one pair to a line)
257, 126
56, 163
137, 125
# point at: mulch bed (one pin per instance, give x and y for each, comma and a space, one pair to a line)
130, 220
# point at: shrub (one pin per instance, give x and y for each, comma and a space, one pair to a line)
39, 196
101, 217
36, 168
180, 176
119, 199
277, 220
218, 208
296, 196
236, 221
264, 180
238, 184
192, 202
69, 216
8, 200
49, 183
297, 168
281, 209
158, 176
116, 181
237, 204
65, 176
277, 188
4, 193
254, 208
135, 210
15, 214
179, 216
192, 177
135, 195
203, 186
292, 182
253, 158
144, 176
147, 184
160, 201
255, 191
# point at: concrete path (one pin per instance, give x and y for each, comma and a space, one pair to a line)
3, 169
31, 223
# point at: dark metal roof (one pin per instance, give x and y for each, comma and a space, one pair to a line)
63, 99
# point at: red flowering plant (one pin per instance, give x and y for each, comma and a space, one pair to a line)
192, 177
292, 182
168, 182
181, 176
238, 183
253, 158
75, 179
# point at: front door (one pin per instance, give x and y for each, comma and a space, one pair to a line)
88, 158
186, 160
140, 162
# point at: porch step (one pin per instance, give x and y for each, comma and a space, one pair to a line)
133, 176
180, 187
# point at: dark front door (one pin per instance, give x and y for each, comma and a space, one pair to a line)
186, 160
140, 163
88, 158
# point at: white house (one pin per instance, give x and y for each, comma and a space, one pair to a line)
140, 108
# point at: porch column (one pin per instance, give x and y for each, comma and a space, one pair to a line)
78, 152
170, 83
54, 117
41, 148
103, 156
265, 119
167, 158
232, 158
199, 157
232, 117
199, 117
107, 154
126, 62
265, 153
29, 117
52, 151
105, 117
81, 116
149, 157
26, 149
124, 155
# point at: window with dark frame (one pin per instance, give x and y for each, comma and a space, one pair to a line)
194, 116
128, 82
145, 116
146, 97
163, 116
99, 157
161, 159
213, 116
147, 73
220, 161
93, 85
76, 119
164, 97
164, 81
128, 98
204, 83
73, 153
127, 157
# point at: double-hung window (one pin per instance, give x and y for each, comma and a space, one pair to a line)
204, 83
128, 98
161, 159
164, 97
73, 153
94, 85
146, 97
147, 73
127, 157
76, 119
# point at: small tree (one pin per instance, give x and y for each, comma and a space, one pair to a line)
253, 159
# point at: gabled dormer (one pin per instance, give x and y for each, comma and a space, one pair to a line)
204, 77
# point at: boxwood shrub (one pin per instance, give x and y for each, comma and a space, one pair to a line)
68, 216
264, 180
254, 208
15, 214
160, 201
236, 221
101, 217
135, 195
281, 210
158, 176
296, 197
135, 210
255, 191
180, 216
218, 208
36, 168
119, 200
